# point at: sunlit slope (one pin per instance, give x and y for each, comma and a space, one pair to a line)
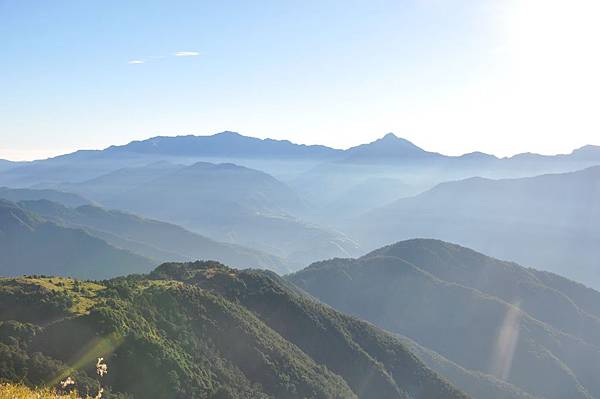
17, 391
202, 330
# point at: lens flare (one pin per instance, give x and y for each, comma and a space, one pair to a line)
506, 343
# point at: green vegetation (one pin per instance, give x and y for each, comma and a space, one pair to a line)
493, 328
200, 330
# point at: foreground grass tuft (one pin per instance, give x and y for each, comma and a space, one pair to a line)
12, 391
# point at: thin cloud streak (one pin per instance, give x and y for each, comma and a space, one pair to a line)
159, 57
186, 54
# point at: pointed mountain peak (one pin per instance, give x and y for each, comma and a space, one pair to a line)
397, 142
388, 147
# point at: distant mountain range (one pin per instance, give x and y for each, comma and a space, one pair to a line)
493, 328
223, 201
224, 145
274, 156
31, 245
303, 203
277, 157
548, 221
201, 330
5, 165
157, 241
61, 197
394, 158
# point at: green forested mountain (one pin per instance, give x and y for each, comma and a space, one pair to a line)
153, 239
32, 245
494, 328
201, 330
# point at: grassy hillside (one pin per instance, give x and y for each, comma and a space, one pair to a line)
505, 331
201, 330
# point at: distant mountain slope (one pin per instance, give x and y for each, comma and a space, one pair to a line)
24, 194
105, 187
205, 184
233, 204
5, 164
202, 330
485, 316
549, 221
70, 168
150, 238
30, 245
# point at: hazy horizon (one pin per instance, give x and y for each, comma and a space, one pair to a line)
563, 152
452, 77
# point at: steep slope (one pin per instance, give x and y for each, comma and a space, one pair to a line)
159, 241
25, 194
30, 245
203, 330
548, 222
494, 319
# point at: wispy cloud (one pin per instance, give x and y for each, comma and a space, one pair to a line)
150, 58
186, 54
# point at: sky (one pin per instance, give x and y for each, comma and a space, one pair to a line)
453, 76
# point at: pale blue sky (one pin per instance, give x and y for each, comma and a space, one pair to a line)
502, 76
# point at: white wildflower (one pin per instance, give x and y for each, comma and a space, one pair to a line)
101, 368
99, 395
69, 381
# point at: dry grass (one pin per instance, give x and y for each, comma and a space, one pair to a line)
12, 391
84, 297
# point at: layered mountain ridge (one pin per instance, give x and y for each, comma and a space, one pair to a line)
483, 320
